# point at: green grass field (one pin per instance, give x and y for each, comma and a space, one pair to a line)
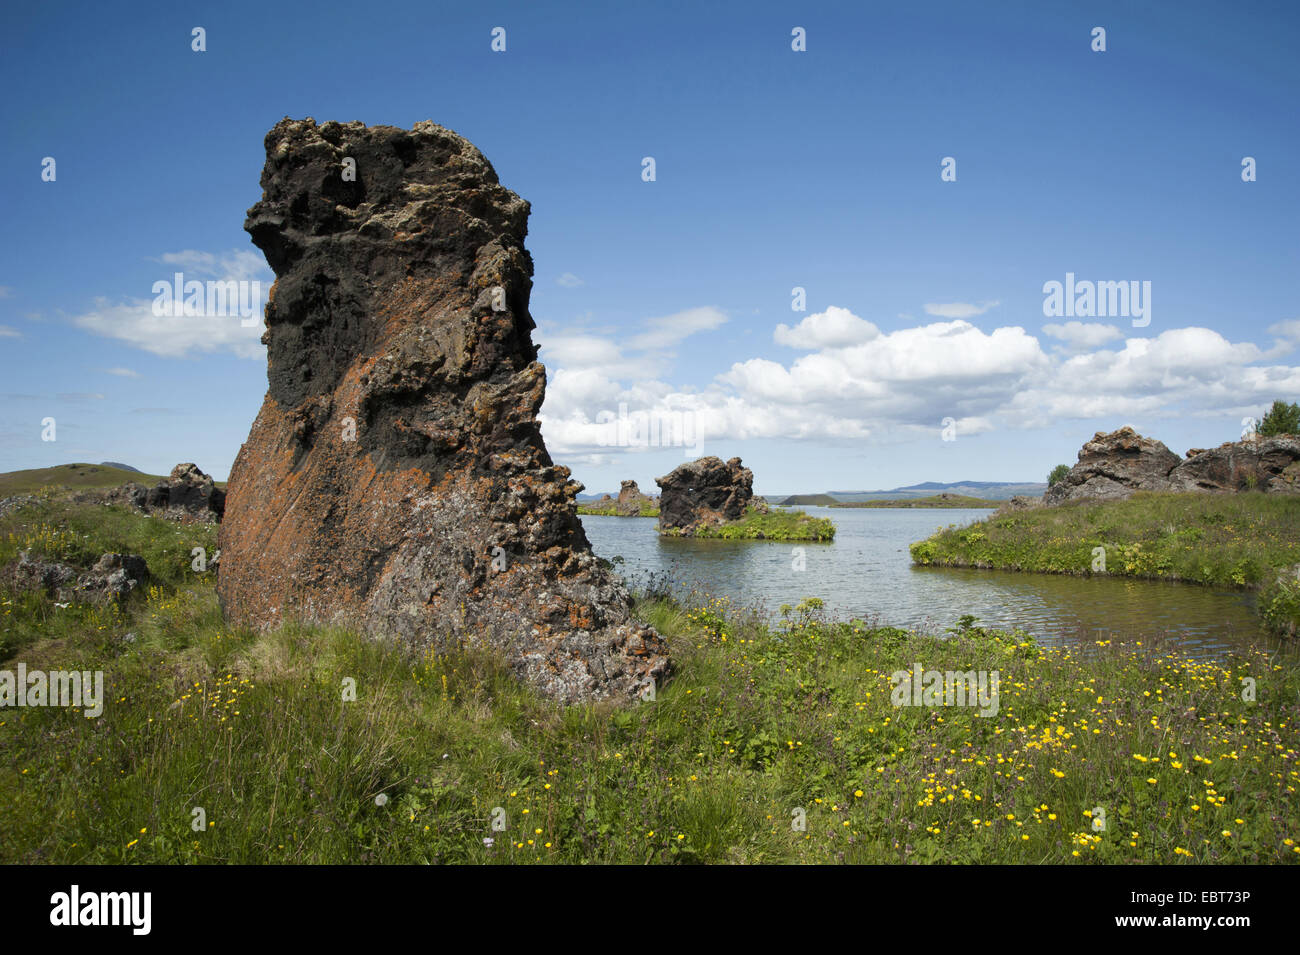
772, 743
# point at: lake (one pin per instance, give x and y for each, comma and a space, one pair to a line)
867, 572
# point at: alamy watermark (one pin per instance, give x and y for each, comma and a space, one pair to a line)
211, 299
921, 687
56, 688
1071, 299
650, 429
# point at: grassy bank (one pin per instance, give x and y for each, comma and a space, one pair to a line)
775, 524
761, 726
1224, 540
610, 510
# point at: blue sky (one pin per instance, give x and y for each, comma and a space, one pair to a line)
775, 169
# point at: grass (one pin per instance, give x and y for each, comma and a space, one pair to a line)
1224, 540
218, 745
934, 500
774, 524
610, 510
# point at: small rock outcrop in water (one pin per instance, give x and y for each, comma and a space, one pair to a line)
1113, 466
630, 499
706, 491
186, 494
395, 479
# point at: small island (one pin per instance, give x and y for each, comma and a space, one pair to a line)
629, 503
712, 498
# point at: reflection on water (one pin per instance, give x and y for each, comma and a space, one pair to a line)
867, 572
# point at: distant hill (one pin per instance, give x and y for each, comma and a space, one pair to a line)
938, 500
989, 490
809, 500
119, 466
985, 490
71, 475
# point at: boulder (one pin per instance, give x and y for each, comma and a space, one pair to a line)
395, 479
1113, 466
707, 491
1264, 464
186, 494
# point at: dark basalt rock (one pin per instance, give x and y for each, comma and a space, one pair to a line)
395, 479
186, 494
1264, 464
704, 491
1113, 466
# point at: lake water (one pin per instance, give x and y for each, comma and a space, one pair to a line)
867, 572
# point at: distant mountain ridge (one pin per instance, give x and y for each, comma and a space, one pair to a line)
989, 490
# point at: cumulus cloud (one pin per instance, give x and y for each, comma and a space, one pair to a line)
569, 280
833, 328
856, 382
958, 309
8, 332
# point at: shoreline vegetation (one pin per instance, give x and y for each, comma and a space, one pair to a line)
611, 510
763, 523
1245, 541
771, 743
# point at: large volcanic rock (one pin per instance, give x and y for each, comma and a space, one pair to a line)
1113, 466
704, 491
395, 479
631, 500
1265, 464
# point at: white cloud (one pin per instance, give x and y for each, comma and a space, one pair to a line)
8, 332
832, 328
1083, 334
855, 382
671, 329
569, 280
958, 309
6, 291
239, 264
177, 336
124, 372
